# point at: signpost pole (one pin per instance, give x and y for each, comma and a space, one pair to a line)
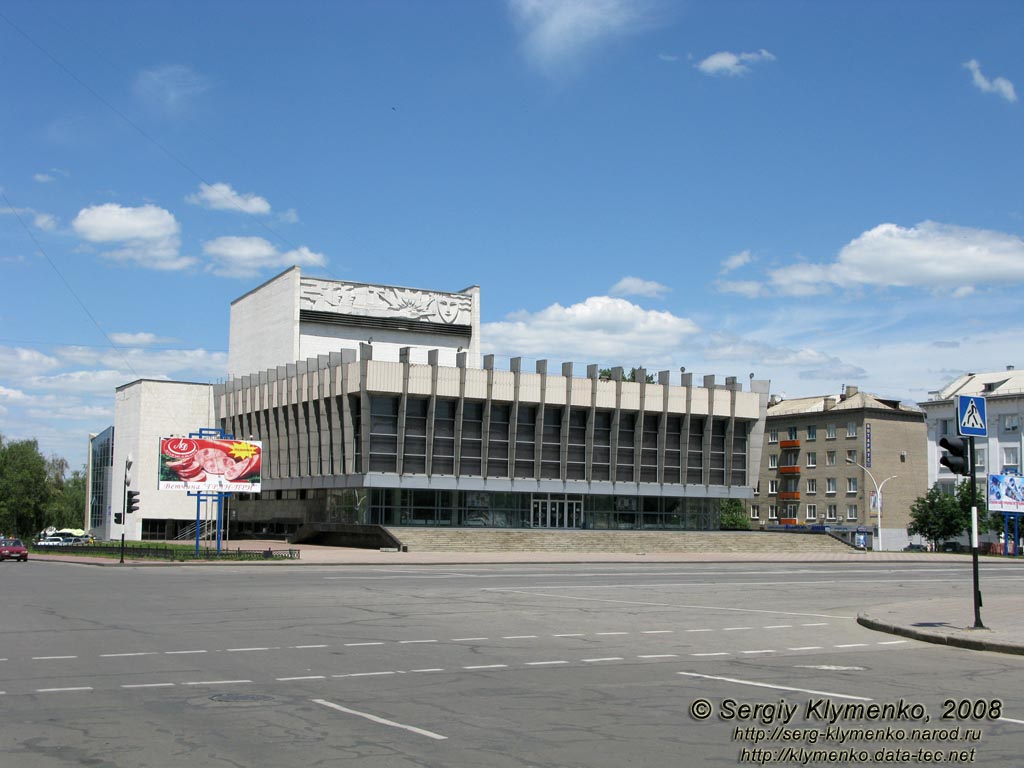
974, 539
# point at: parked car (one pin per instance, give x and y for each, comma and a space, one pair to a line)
915, 548
13, 549
51, 541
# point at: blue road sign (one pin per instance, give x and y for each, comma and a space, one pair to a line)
971, 417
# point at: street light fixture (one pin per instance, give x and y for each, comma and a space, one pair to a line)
878, 496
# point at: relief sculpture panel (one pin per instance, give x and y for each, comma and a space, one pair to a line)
385, 301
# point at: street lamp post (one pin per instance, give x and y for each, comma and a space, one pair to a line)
878, 496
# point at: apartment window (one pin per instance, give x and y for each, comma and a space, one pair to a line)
830, 512
830, 485
812, 485
755, 512
830, 459
979, 459
1011, 423
812, 432
851, 429
812, 459
773, 486
851, 456
830, 431
773, 461
792, 433
773, 435
773, 512
851, 485
851, 511
1011, 459
812, 512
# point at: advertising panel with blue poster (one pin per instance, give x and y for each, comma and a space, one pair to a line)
1006, 493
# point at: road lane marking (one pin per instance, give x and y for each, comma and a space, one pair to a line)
717, 653
300, 647
178, 653
239, 650
611, 633
408, 642
488, 666
381, 720
217, 682
806, 648
778, 626
467, 639
432, 669
63, 690
365, 674
543, 663
1009, 720
818, 624
148, 685
52, 658
699, 630
571, 634
519, 637
116, 655
657, 605
657, 632
892, 642
733, 629
305, 677
766, 650
356, 645
776, 687
850, 645
605, 658
660, 656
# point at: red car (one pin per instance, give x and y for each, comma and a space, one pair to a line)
13, 549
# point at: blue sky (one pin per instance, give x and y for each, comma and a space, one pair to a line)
817, 193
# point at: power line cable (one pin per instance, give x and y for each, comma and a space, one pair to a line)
67, 285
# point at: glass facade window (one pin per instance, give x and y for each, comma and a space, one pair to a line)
100, 480
602, 445
695, 452
739, 454
497, 440
551, 448
443, 460
624, 456
576, 458
649, 448
717, 476
471, 449
414, 461
673, 449
526, 445
383, 434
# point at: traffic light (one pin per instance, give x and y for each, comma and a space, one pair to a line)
955, 459
132, 502
118, 518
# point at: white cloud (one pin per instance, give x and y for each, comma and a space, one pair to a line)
135, 339
559, 32
736, 261
221, 197
247, 256
15, 361
147, 235
999, 85
732, 64
291, 216
170, 87
636, 286
45, 221
43, 178
929, 255
668, 57
749, 288
600, 328
11, 395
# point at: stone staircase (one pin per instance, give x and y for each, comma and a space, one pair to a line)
527, 540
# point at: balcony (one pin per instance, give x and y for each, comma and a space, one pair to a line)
789, 495
792, 469
783, 444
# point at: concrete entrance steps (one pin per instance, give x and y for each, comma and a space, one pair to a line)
533, 540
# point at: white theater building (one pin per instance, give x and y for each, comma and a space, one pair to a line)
375, 407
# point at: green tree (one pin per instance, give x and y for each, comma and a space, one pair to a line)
732, 516
67, 508
938, 516
25, 488
606, 373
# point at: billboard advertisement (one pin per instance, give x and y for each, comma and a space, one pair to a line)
1006, 493
210, 465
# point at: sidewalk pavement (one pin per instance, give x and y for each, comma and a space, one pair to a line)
946, 621
950, 621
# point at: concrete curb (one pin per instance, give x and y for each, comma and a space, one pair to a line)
979, 643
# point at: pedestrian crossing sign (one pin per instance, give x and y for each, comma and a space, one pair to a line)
971, 419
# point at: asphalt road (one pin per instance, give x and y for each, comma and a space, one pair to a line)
497, 666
